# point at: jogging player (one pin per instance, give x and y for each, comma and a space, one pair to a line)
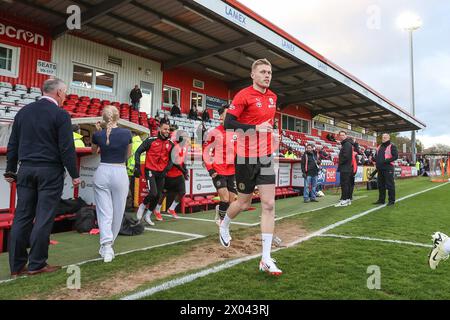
218, 156
251, 114
175, 186
157, 163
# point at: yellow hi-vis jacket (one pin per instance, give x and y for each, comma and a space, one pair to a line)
78, 140
135, 143
290, 156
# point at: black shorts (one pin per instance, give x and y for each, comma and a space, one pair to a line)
251, 172
176, 185
228, 182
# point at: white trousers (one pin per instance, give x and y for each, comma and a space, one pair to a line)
110, 193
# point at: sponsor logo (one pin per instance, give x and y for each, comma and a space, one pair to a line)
22, 35
241, 186
232, 107
235, 15
287, 45
258, 103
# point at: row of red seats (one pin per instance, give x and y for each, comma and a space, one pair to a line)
208, 202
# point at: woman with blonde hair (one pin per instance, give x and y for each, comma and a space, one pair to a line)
111, 179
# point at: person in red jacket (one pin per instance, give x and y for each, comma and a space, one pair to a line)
175, 186
157, 163
219, 151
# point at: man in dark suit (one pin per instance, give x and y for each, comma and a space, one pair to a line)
41, 140
386, 154
347, 164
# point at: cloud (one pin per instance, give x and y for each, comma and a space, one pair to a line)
344, 32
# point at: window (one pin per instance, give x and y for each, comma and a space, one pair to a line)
93, 79
171, 96
294, 124
104, 82
198, 84
197, 100
9, 61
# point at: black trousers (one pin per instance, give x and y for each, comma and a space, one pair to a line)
347, 185
39, 191
155, 185
386, 181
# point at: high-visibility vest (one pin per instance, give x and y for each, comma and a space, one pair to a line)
135, 143
290, 156
78, 140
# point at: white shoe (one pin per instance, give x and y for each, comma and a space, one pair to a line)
438, 253
342, 203
217, 216
108, 254
224, 236
349, 202
148, 218
140, 212
270, 267
101, 251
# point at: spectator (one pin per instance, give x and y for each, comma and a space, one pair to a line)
165, 120
42, 141
193, 113
331, 137
310, 169
135, 96
386, 155
77, 137
321, 154
175, 111
347, 168
205, 116
136, 141
111, 182
290, 154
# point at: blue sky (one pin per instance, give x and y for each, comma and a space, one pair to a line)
362, 37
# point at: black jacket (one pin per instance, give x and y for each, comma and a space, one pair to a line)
135, 95
205, 116
345, 156
312, 169
382, 163
193, 115
42, 136
175, 111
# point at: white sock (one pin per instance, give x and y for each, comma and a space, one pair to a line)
267, 245
226, 222
173, 205
447, 246
158, 207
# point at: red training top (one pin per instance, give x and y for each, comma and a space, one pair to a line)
219, 151
252, 107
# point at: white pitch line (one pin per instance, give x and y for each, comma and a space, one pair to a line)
117, 254
194, 235
417, 244
208, 220
189, 278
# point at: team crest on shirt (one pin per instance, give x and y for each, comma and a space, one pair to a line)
234, 138
271, 103
258, 103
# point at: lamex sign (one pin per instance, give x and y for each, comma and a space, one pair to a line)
235, 15
287, 45
18, 35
